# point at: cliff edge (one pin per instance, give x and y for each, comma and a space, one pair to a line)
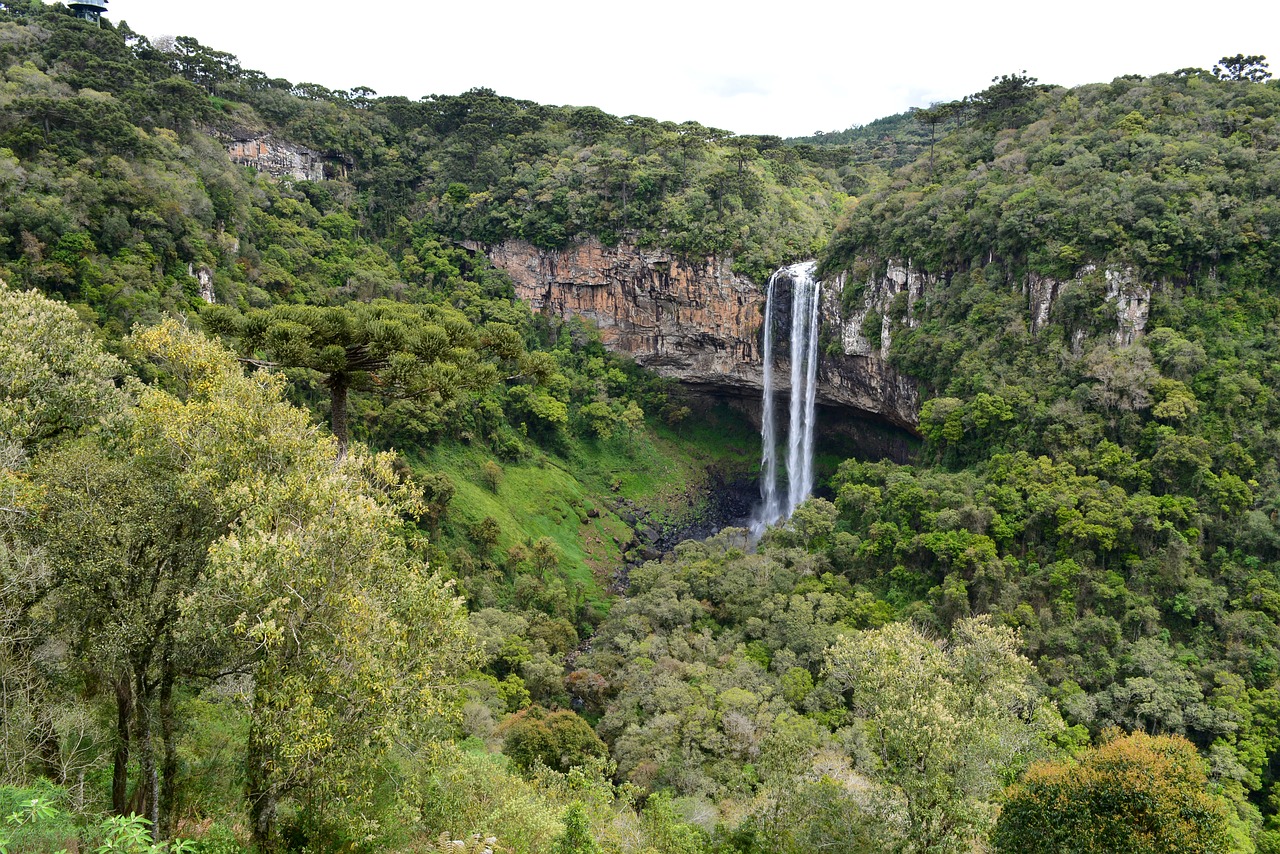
696, 323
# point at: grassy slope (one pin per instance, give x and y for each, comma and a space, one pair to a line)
667, 471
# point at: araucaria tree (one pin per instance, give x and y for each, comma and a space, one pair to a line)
423, 353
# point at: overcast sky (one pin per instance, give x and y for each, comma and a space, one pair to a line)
787, 68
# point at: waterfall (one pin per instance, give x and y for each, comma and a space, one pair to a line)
805, 295
771, 509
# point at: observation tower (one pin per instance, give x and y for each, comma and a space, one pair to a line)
89, 10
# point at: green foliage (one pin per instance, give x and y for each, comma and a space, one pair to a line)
1136, 793
1031, 540
694, 659
132, 835
945, 724
218, 839
36, 823
667, 833
32, 820
550, 176
559, 740
861, 154
576, 838
53, 376
471, 793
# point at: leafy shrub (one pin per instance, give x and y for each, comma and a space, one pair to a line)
559, 740
1138, 794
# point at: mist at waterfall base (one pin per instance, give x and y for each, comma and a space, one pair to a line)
776, 504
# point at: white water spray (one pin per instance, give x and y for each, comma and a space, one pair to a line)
805, 296
771, 509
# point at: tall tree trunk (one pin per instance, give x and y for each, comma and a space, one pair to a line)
150, 780
262, 798
120, 766
338, 387
262, 795
169, 768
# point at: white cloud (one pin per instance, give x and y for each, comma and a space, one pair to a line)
787, 69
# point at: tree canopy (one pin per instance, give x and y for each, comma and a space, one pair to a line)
240, 626
1135, 793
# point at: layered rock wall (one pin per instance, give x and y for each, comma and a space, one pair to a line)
697, 323
277, 158
702, 324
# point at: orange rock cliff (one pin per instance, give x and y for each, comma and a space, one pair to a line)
698, 323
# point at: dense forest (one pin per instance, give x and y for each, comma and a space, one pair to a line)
313, 537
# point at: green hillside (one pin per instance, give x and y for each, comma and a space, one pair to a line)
314, 538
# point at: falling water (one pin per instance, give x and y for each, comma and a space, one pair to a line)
771, 509
805, 295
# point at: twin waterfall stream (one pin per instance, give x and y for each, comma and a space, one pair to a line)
805, 294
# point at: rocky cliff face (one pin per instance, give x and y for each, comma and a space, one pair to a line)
697, 323
204, 276
277, 157
894, 295
701, 324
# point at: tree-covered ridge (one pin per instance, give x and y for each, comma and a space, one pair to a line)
114, 197
901, 125
214, 617
1174, 175
864, 155
477, 166
1116, 502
